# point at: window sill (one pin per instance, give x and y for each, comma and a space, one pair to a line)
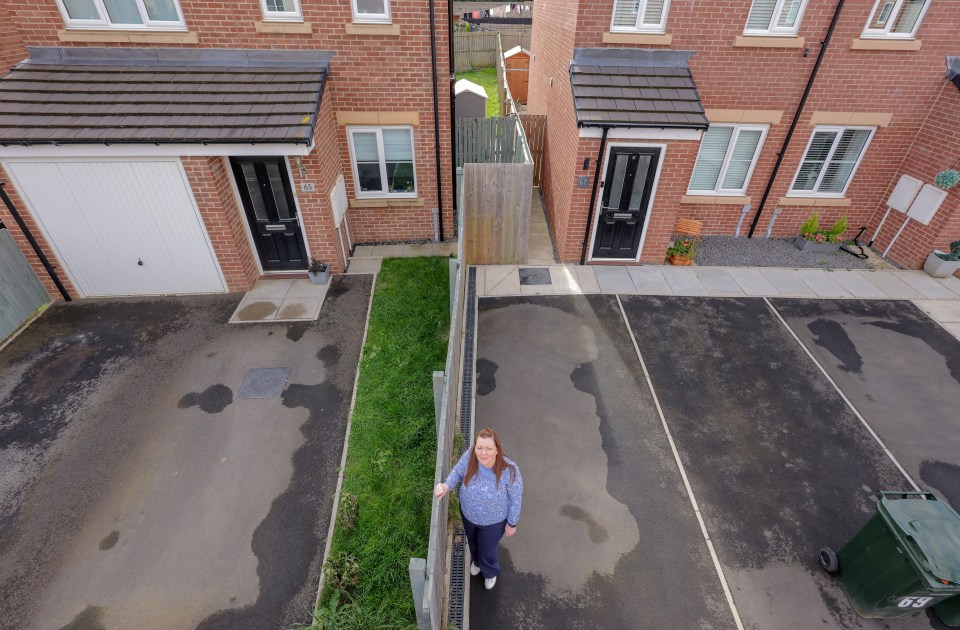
386, 202
819, 202
659, 39
719, 200
885, 44
127, 37
373, 29
753, 41
270, 26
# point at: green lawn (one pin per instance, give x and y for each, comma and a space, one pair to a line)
487, 79
392, 448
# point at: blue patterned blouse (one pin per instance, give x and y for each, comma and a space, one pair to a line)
482, 501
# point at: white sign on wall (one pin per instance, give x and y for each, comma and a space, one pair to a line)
926, 204
338, 200
904, 193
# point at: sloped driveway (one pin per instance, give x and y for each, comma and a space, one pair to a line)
140, 490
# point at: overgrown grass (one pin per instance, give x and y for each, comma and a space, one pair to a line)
392, 449
487, 79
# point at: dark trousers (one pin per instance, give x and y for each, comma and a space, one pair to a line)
483, 541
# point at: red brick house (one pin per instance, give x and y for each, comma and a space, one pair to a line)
189, 146
658, 110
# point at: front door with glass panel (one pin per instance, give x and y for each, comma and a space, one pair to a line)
269, 204
623, 208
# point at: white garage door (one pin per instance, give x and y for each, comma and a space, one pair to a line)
121, 227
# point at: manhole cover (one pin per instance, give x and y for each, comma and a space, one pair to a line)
264, 383
534, 275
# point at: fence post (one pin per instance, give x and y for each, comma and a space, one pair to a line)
438, 395
418, 576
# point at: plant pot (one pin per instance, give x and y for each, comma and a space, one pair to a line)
938, 267
812, 246
319, 277
680, 261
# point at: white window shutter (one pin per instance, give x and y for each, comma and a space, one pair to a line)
625, 13
761, 13
713, 148
653, 14
813, 161
741, 158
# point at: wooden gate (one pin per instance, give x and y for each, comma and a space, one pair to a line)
21, 294
535, 128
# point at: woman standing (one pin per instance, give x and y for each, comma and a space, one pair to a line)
489, 501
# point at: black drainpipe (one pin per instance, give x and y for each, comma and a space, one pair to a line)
33, 243
436, 116
453, 112
593, 195
796, 117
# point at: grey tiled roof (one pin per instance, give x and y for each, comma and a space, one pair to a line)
621, 87
193, 96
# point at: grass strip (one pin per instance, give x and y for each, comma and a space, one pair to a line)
392, 448
487, 79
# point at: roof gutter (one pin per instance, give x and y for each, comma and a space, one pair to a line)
436, 116
615, 125
593, 196
33, 243
796, 117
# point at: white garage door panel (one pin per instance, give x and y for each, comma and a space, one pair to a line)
103, 217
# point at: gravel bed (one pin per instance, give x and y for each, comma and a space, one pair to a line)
727, 251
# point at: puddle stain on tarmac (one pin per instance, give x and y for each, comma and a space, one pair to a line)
596, 533
486, 377
90, 619
213, 399
943, 477
831, 336
923, 331
109, 541
296, 331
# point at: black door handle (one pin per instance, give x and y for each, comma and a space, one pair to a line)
139, 262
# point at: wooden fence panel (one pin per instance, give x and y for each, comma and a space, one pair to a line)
21, 293
535, 127
478, 49
497, 213
482, 140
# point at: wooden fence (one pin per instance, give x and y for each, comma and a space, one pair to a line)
478, 49
535, 128
484, 140
21, 294
496, 208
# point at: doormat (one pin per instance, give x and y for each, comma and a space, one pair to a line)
534, 275
264, 383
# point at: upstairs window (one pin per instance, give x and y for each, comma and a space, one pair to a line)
645, 16
775, 17
282, 10
383, 163
831, 159
125, 14
896, 18
728, 154
371, 11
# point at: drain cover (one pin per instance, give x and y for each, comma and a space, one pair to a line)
534, 275
264, 383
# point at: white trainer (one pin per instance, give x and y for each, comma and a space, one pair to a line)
489, 583
474, 569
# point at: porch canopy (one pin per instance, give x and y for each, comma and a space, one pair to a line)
631, 87
110, 96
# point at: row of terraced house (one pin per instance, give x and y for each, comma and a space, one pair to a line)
189, 146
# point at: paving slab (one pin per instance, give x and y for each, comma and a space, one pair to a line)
683, 281
140, 491
649, 280
614, 279
752, 281
778, 464
364, 265
718, 281
901, 371
857, 285
786, 282
944, 311
564, 279
587, 279
501, 280
927, 286
822, 283
891, 284
607, 537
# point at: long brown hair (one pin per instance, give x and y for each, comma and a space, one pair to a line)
499, 465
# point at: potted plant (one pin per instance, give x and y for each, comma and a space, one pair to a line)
814, 239
318, 271
682, 251
942, 264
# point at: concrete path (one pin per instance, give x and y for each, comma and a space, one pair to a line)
539, 244
145, 485
366, 259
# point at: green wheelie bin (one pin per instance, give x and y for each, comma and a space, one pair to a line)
905, 558
949, 612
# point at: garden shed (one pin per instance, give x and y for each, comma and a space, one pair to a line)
517, 64
471, 99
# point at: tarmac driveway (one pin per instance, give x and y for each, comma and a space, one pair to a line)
140, 490
778, 463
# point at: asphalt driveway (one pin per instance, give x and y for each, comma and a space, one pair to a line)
139, 489
777, 461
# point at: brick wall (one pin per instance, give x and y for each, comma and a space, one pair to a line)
12, 49
902, 83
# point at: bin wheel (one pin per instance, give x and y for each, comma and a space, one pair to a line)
828, 560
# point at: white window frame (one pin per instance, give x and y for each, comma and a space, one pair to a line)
774, 30
891, 19
640, 27
726, 161
105, 23
371, 18
282, 16
381, 154
853, 173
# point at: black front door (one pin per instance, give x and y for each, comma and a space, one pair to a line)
623, 207
272, 212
